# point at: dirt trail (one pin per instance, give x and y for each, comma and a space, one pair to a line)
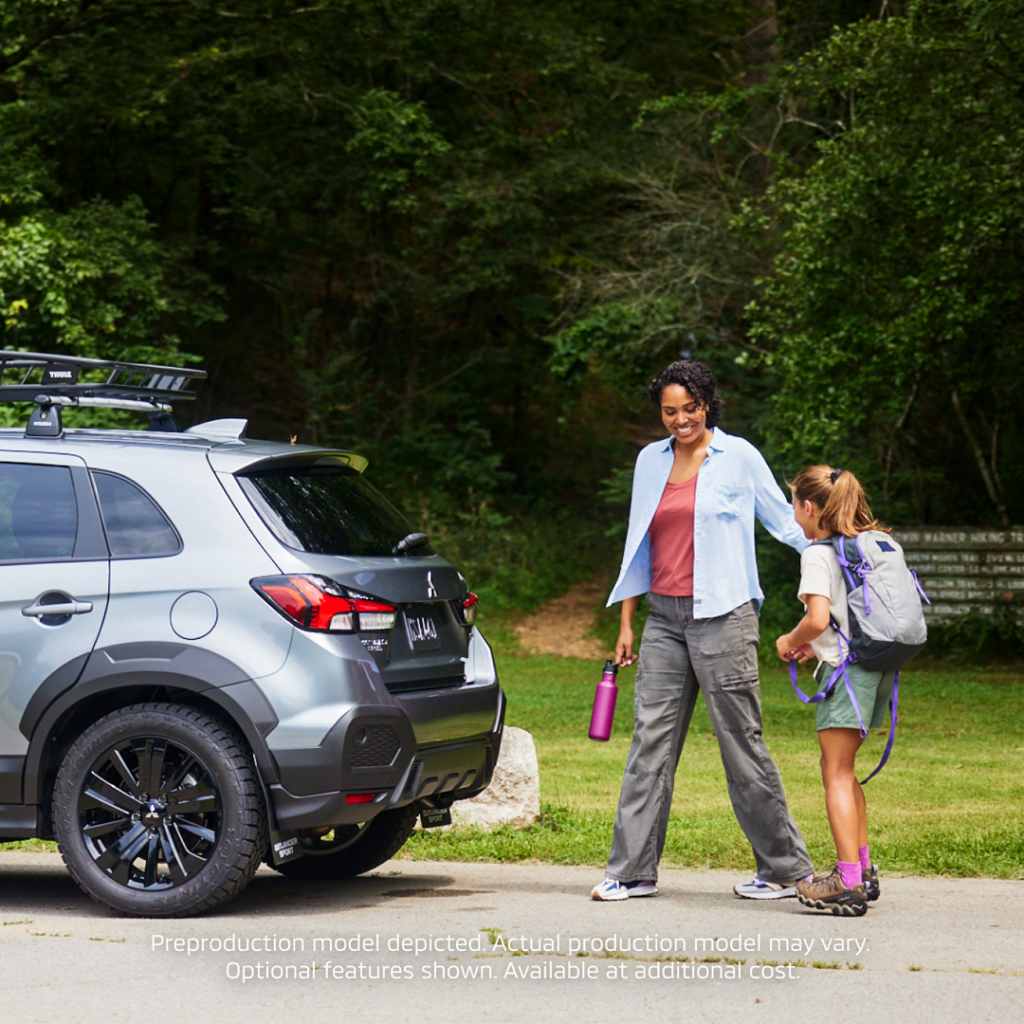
561, 626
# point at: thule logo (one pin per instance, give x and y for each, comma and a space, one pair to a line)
60, 374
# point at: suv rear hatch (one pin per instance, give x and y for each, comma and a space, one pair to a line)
335, 524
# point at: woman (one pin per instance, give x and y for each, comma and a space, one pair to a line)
690, 546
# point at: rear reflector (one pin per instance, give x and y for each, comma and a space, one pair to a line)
469, 608
359, 798
318, 603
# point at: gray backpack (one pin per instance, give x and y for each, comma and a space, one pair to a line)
887, 626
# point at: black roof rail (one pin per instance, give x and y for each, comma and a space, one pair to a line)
51, 382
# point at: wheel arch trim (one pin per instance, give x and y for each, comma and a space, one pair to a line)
242, 702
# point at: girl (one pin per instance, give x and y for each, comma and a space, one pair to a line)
826, 502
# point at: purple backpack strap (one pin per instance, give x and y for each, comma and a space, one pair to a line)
800, 693
920, 589
862, 571
829, 687
844, 562
849, 689
893, 701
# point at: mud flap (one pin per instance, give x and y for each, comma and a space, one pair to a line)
284, 847
435, 817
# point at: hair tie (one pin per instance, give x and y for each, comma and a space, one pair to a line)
834, 475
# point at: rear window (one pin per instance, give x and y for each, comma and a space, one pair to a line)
135, 527
327, 510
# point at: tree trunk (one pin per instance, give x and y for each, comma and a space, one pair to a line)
760, 42
988, 474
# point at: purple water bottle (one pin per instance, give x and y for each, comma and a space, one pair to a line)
604, 703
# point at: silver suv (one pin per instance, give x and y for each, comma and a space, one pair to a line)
216, 651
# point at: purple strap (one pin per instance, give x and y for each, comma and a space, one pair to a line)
920, 589
829, 686
844, 562
849, 689
893, 701
850, 658
862, 571
800, 693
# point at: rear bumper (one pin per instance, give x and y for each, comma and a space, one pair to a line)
374, 750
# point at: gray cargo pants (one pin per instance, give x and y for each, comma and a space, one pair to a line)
679, 655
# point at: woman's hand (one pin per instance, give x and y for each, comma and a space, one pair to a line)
624, 647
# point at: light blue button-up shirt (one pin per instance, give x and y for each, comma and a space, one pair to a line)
734, 485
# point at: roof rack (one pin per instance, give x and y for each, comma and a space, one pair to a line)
51, 382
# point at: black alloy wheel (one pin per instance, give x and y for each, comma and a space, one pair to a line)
150, 813
158, 811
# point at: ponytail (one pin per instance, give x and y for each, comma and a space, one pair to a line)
839, 496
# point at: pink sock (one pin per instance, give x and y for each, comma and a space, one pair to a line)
850, 874
865, 859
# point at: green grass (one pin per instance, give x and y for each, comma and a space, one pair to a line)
30, 845
950, 801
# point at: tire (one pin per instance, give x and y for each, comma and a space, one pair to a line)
197, 838
351, 850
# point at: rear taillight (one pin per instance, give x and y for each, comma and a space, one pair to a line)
469, 608
359, 798
317, 603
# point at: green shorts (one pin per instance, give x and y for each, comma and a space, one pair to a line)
873, 690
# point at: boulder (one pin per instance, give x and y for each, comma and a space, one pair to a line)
513, 797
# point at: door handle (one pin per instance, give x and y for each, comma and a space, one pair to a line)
66, 608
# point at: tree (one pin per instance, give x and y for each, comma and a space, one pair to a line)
385, 192
895, 305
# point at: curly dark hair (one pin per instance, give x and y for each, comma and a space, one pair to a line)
697, 379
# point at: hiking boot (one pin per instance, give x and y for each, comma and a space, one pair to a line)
759, 889
830, 894
611, 889
872, 887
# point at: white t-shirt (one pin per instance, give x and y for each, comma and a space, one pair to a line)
820, 574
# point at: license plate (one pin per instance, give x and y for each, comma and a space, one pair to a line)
422, 628
435, 817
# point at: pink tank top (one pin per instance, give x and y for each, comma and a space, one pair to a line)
671, 532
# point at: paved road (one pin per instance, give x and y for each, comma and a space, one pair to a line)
931, 951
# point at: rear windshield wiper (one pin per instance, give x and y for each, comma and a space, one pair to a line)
410, 541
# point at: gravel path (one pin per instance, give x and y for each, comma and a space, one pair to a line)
935, 951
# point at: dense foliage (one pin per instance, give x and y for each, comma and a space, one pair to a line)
898, 294
460, 234
843, 242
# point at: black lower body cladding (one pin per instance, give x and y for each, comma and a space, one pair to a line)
375, 750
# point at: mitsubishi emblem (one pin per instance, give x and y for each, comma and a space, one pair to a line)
431, 589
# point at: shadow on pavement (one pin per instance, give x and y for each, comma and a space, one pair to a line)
28, 889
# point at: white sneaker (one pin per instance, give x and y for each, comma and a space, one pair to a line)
759, 889
612, 889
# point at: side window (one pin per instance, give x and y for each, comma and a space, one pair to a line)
135, 527
38, 512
